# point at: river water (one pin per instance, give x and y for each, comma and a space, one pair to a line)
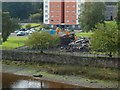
18, 81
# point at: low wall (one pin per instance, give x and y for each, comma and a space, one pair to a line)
59, 59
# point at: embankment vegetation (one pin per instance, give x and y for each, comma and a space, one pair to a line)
99, 73
106, 38
42, 40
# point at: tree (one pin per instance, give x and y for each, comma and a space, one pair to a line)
42, 40
93, 13
36, 17
28, 26
18, 9
105, 38
118, 23
118, 16
0, 27
8, 25
22, 10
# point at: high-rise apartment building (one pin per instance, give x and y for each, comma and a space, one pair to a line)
62, 13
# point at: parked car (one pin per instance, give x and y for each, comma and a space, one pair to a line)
21, 33
16, 31
78, 41
27, 32
32, 29
30, 32
23, 29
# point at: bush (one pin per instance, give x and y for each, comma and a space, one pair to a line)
36, 17
106, 38
44, 26
28, 26
42, 40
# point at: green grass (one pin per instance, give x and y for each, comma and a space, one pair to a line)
84, 34
14, 42
32, 25
89, 34
111, 22
38, 28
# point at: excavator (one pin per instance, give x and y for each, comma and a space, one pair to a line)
65, 36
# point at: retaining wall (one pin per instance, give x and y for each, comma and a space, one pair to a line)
59, 59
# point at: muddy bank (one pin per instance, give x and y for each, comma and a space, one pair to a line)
30, 70
18, 81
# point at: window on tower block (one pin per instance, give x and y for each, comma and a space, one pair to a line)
52, 20
52, 11
46, 6
52, 16
67, 11
67, 6
57, 16
46, 11
58, 10
73, 20
57, 20
67, 20
73, 10
73, 5
57, 6
67, 16
46, 15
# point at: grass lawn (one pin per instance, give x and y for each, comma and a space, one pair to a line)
14, 42
84, 34
111, 22
89, 34
38, 28
32, 25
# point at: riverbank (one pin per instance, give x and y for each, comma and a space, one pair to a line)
58, 73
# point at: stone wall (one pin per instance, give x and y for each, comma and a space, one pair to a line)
59, 59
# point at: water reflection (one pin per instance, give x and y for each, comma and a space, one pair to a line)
17, 81
26, 84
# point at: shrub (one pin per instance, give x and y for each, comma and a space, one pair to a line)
44, 26
106, 38
42, 40
36, 17
28, 26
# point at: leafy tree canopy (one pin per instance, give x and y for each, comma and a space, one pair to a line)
8, 25
118, 15
22, 10
36, 17
105, 38
42, 40
92, 13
